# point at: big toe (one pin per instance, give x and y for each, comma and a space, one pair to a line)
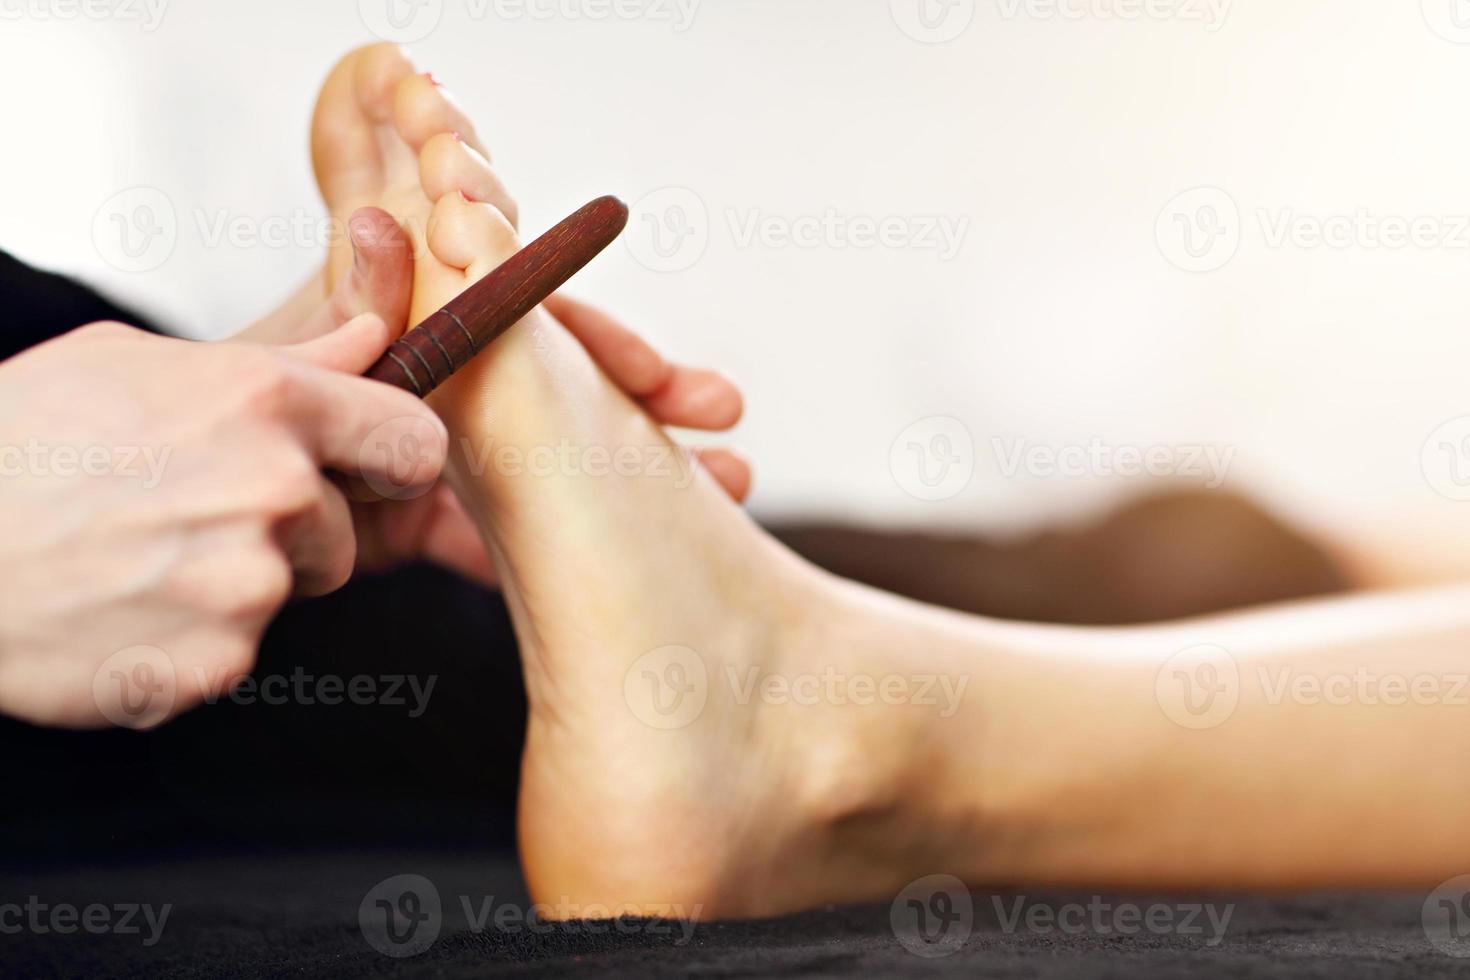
355, 149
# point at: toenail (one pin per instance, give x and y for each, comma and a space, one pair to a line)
457, 138
433, 80
466, 198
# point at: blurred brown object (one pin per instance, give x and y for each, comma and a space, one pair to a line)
1169, 556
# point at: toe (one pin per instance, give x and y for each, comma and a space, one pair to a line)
697, 398
422, 109
448, 165
470, 235
352, 159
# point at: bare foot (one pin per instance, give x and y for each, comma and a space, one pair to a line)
624, 563
626, 567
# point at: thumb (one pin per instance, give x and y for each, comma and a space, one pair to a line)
351, 349
379, 281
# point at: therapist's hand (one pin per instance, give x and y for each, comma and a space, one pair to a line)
160, 500
434, 526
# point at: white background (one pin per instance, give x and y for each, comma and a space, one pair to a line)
1061, 140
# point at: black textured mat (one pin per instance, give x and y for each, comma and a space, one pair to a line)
302, 914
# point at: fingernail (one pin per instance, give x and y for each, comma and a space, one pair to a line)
433, 79
359, 240
457, 138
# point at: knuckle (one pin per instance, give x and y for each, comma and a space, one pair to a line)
293, 486
265, 385
108, 329
263, 586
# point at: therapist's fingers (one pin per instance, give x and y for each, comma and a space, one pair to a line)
400, 456
352, 348
380, 280
320, 542
358, 427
